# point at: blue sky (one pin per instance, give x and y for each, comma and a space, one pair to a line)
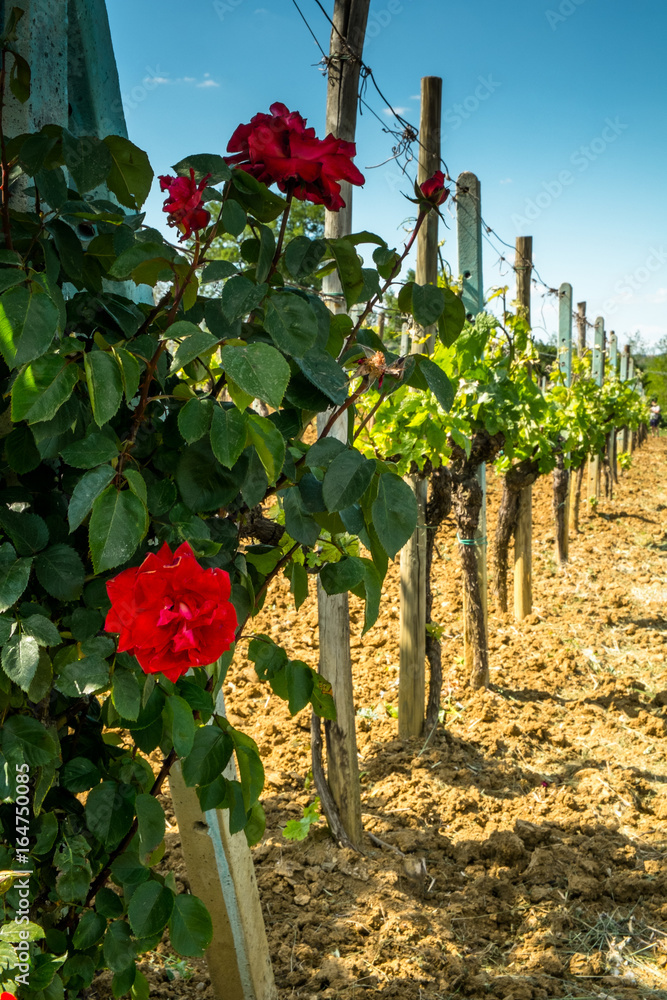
559, 107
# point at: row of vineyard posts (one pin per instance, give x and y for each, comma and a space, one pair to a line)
597, 413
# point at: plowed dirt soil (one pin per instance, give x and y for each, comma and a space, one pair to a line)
526, 840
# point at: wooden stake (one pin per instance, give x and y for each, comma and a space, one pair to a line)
469, 237
221, 873
631, 378
412, 641
346, 46
581, 329
597, 372
523, 537
565, 364
624, 365
613, 435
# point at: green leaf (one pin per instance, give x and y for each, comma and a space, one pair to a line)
437, 381
14, 575
119, 951
270, 444
202, 483
25, 740
291, 322
41, 629
298, 522
229, 432
394, 513
218, 270
60, 571
181, 723
202, 164
89, 930
126, 694
79, 774
453, 318
86, 492
10, 277
20, 657
251, 769
256, 198
151, 825
80, 678
190, 927
324, 372
95, 449
298, 583
303, 256
130, 372
131, 174
209, 756
349, 270
339, 577
88, 160
150, 908
41, 388
196, 343
118, 523
298, 829
346, 479
21, 450
105, 385
427, 304
299, 685
258, 369
142, 261
267, 249
373, 587
240, 296
109, 812
28, 531
28, 324
194, 419
19, 77
234, 219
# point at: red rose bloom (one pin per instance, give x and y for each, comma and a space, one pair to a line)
434, 190
184, 203
7, 996
171, 613
278, 148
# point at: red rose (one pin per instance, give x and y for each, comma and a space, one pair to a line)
278, 148
434, 190
7, 996
184, 203
171, 613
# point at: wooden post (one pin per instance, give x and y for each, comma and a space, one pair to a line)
523, 536
624, 366
469, 238
613, 435
221, 873
581, 329
347, 36
565, 364
412, 641
631, 378
597, 372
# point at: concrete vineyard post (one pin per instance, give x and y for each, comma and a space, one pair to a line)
625, 359
523, 536
565, 365
597, 372
412, 641
631, 378
469, 238
347, 37
576, 479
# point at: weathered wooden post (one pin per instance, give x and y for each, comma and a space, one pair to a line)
335, 664
562, 476
631, 378
469, 238
624, 365
412, 641
612, 438
575, 488
523, 535
597, 372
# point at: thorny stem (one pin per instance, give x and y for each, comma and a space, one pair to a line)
369, 415
281, 234
394, 271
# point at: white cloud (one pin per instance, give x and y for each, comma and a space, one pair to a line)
506, 180
415, 97
659, 297
208, 83
399, 111
157, 80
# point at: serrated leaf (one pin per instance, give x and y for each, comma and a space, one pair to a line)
41, 629
346, 479
131, 174
85, 492
118, 522
42, 387
324, 372
229, 432
291, 323
427, 304
190, 927
151, 826
269, 443
394, 513
197, 343
258, 369
105, 385
28, 324
60, 571
194, 419
20, 657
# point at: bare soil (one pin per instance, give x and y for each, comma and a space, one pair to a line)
526, 838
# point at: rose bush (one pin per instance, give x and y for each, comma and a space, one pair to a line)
130, 432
